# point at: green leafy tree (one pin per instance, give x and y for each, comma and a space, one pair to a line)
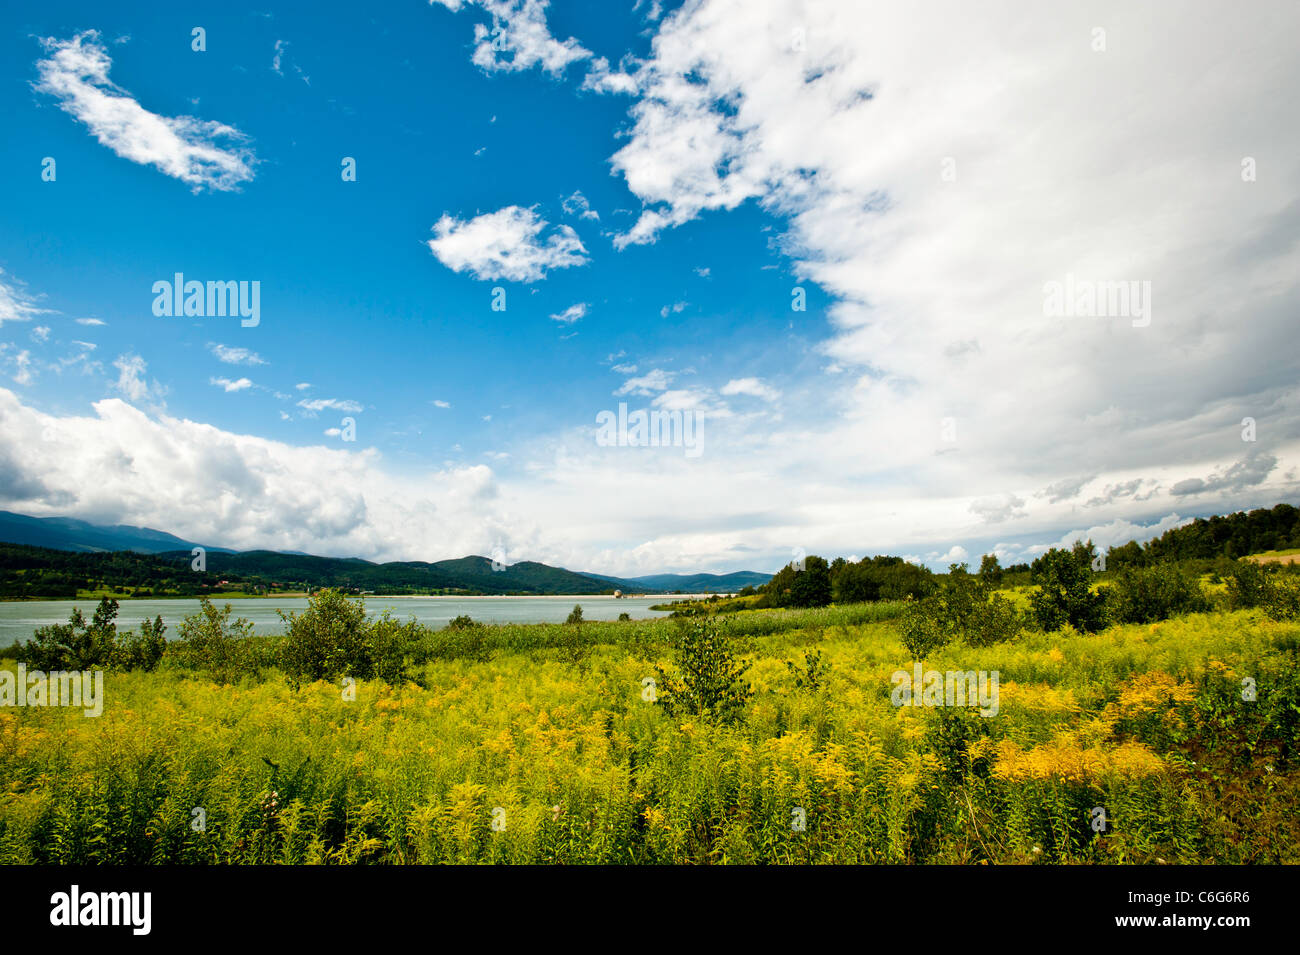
213, 645
991, 570
1157, 592
709, 682
1065, 594
75, 645
327, 641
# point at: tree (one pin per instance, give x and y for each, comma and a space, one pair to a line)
990, 570
711, 683
75, 645
1065, 592
211, 644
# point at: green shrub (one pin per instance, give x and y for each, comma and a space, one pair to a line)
211, 645
75, 645
143, 650
1155, 592
711, 683
1281, 597
575, 615
333, 638
1065, 592
1246, 580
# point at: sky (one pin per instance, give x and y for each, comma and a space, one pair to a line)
933, 279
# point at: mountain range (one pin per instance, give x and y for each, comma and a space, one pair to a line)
472, 574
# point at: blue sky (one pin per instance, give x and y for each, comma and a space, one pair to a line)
662, 179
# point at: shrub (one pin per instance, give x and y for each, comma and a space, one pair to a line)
1155, 592
624, 617
1281, 597
920, 628
1065, 592
811, 675
575, 615
75, 645
333, 638
144, 650
212, 645
711, 685
1246, 582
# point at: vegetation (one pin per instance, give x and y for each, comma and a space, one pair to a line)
1169, 700
1148, 721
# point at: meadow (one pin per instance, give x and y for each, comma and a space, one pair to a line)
540, 744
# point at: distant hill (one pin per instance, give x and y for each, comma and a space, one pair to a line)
690, 583
56, 556
66, 533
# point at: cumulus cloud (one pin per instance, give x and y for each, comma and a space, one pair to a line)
506, 244
200, 153
994, 510
1248, 472
518, 38
123, 465
577, 205
239, 384
131, 369
755, 387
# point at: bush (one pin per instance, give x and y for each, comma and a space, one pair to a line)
1065, 592
711, 685
144, 650
1246, 582
333, 638
920, 628
1155, 592
1281, 597
963, 608
575, 615
212, 645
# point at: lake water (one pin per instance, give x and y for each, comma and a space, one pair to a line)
18, 619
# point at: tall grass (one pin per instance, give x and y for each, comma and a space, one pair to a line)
1145, 721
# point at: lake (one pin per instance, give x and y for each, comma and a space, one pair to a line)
18, 619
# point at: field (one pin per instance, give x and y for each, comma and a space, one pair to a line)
544, 749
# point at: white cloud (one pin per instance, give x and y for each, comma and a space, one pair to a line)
315, 405
235, 356
239, 384
518, 38
201, 153
439, 403
15, 304
571, 314
652, 381
91, 321
505, 244
131, 381
754, 387
41, 334
673, 309
578, 205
